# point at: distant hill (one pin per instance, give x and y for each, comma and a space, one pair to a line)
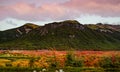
65, 35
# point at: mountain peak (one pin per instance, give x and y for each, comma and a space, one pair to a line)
63, 25
26, 28
30, 25
71, 22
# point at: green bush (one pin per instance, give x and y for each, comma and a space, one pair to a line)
72, 61
110, 62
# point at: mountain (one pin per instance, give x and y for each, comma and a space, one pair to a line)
16, 32
65, 35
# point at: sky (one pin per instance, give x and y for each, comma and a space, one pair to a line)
15, 13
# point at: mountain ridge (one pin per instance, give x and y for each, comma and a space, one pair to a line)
65, 35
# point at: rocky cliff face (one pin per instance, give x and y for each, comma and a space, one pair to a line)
25, 29
104, 27
69, 23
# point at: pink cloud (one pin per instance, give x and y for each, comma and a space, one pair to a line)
31, 12
22, 10
99, 7
41, 10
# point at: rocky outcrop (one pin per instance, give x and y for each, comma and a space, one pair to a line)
69, 23
25, 29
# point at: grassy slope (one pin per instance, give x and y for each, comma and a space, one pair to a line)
87, 39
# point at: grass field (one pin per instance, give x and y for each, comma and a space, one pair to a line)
68, 61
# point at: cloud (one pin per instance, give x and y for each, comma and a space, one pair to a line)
35, 2
45, 10
98, 7
11, 22
31, 12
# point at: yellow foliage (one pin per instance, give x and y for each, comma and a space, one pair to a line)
2, 64
4, 60
20, 63
41, 63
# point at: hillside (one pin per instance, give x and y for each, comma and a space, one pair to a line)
66, 35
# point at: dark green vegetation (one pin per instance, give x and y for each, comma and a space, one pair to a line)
69, 69
64, 35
